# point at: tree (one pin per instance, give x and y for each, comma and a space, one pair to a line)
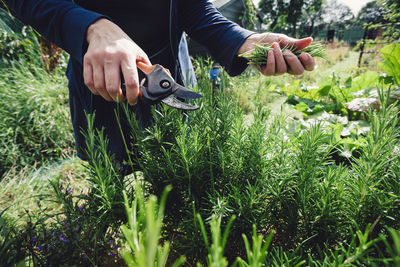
274, 13
373, 12
335, 14
286, 15
312, 16
392, 17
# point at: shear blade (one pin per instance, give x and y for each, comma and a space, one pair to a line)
175, 103
183, 92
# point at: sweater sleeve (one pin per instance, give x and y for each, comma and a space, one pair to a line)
60, 21
205, 24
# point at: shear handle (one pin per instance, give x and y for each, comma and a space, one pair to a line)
147, 69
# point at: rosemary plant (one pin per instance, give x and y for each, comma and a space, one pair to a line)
258, 56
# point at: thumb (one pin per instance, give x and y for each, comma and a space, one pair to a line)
303, 43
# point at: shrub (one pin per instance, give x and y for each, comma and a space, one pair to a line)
34, 117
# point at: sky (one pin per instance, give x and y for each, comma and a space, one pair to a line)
355, 5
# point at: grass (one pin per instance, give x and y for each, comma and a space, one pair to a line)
22, 190
34, 118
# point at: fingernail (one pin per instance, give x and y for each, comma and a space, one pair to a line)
304, 56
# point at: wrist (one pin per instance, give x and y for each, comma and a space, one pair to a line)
248, 44
95, 28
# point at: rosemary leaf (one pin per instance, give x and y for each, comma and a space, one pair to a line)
258, 56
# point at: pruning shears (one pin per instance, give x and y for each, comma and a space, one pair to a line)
157, 86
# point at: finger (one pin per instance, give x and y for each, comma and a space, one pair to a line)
269, 69
303, 43
142, 57
88, 76
280, 64
113, 80
131, 79
99, 83
298, 44
295, 66
308, 61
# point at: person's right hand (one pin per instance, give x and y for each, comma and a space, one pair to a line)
109, 53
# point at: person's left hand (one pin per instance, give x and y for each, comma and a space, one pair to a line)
278, 62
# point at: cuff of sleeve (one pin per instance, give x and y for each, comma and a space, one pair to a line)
238, 64
235, 65
75, 25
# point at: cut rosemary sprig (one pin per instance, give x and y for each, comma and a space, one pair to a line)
259, 54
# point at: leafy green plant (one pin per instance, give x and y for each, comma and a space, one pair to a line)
34, 118
393, 247
217, 245
269, 173
144, 229
391, 61
34, 125
249, 15
256, 255
18, 47
10, 243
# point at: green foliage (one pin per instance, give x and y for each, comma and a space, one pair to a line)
10, 244
21, 46
358, 252
391, 16
85, 226
34, 117
71, 234
256, 254
263, 172
284, 16
258, 56
270, 174
143, 231
393, 247
249, 16
332, 94
391, 61
216, 248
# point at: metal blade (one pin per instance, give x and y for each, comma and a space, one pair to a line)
182, 92
175, 103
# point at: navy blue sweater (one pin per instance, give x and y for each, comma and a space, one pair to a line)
65, 23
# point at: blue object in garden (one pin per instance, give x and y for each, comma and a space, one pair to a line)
214, 76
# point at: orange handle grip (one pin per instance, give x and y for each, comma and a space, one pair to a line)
149, 68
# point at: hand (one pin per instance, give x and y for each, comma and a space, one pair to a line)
109, 53
278, 62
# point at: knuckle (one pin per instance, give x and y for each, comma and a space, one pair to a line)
108, 55
89, 83
98, 54
87, 57
123, 56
